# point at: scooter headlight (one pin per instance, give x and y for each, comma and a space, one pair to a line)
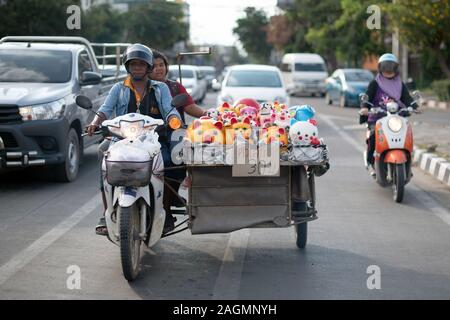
131, 129
395, 124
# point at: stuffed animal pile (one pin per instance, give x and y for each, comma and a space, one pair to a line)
255, 123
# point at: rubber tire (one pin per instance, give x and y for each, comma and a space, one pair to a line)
328, 100
63, 172
342, 101
302, 234
130, 259
399, 183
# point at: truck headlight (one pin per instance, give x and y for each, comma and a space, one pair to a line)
46, 111
395, 124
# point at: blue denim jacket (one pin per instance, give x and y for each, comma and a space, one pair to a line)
119, 96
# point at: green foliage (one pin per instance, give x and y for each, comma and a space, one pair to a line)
252, 32
158, 24
103, 24
35, 17
442, 89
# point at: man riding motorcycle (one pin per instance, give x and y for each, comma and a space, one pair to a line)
387, 86
137, 93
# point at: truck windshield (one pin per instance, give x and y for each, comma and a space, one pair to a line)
25, 65
311, 67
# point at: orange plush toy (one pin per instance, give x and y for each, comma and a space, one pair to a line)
274, 134
205, 131
241, 129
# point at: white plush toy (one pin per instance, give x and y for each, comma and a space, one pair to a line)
304, 133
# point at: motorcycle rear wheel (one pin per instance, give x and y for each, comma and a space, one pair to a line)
130, 242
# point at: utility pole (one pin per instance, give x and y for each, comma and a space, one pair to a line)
401, 52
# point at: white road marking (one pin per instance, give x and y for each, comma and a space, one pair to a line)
228, 282
421, 195
24, 257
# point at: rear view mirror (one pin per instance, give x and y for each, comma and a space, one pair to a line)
90, 78
416, 95
364, 98
180, 100
83, 102
216, 85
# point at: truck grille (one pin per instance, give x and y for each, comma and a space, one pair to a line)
9, 114
8, 140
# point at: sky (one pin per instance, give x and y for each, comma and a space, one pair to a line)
212, 21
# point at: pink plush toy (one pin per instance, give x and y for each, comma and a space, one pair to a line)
251, 113
282, 116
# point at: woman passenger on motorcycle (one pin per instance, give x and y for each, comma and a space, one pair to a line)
137, 93
387, 86
159, 73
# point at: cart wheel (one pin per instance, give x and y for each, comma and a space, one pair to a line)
302, 234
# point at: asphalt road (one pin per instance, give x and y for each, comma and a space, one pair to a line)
47, 228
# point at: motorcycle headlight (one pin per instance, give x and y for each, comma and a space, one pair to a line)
131, 129
395, 124
45, 111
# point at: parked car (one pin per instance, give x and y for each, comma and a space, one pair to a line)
40, 124
345, 85
210, 74
192, 79
304, 73
260, 82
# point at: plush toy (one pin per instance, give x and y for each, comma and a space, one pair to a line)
247, 102
303, 133
274, 134
282, 116
205, 131
252, 113
266, 115
303, 113
224, 107
227, 116
211, 113
241, 129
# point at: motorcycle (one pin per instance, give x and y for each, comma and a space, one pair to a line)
393, 144
133, 176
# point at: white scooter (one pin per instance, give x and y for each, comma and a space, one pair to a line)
133, 177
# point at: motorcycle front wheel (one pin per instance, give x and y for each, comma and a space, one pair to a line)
399, 182
130, 242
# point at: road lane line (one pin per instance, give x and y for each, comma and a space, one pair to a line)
228, 282
421, 195
20, 260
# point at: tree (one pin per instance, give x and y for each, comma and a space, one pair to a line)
424, 26
35, 17
356, 40
159, 24
103, 24
315, 26
252, 32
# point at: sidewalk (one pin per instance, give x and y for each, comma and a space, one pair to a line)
432, 140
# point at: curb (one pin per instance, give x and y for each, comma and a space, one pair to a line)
439, 168
435, 104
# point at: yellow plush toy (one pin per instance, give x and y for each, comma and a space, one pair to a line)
241, 129
274, 134
205, 131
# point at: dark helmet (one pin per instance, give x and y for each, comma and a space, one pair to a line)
388, 63
140, 52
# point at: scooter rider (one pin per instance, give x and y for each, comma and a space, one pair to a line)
137, 93
387, 86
